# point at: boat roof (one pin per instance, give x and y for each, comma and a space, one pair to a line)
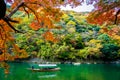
47, 65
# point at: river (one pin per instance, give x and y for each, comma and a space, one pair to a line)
19, 71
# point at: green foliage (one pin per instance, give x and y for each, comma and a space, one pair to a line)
65, 52
104, 37
74, 40
92, 50
83, 53
110, 50
77, 40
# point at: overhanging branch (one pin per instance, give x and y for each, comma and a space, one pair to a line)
15, 9
116, 16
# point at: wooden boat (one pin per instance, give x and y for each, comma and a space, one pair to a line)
44, 69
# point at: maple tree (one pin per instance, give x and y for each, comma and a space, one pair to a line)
45, 15
106, 11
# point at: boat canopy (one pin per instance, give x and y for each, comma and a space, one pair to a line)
47, 65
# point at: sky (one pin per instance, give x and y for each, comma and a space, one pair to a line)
82, 8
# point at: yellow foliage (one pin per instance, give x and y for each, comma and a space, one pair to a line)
65, 17
90, 31
71, 30
93, 49
94, 43
83, 53
117, 38
71, 23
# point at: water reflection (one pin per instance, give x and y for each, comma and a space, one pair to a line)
47, 76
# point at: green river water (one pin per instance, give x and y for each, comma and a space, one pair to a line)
19, 71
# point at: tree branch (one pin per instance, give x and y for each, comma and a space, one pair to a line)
115, 22
15, 9
20, 5
7, 18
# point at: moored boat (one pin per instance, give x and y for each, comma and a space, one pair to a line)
45, 68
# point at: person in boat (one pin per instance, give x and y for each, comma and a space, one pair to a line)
32, 67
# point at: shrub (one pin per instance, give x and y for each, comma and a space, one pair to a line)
110, 50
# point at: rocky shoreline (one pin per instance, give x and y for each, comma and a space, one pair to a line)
40, 61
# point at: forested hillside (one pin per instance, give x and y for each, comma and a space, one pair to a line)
73, 39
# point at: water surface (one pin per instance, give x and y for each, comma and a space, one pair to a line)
19, 71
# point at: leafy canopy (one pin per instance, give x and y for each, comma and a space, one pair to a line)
47, 12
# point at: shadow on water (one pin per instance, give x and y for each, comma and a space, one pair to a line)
19, 71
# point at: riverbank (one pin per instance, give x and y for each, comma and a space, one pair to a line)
41, 61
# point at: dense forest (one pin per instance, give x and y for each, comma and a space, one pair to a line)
74, 39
